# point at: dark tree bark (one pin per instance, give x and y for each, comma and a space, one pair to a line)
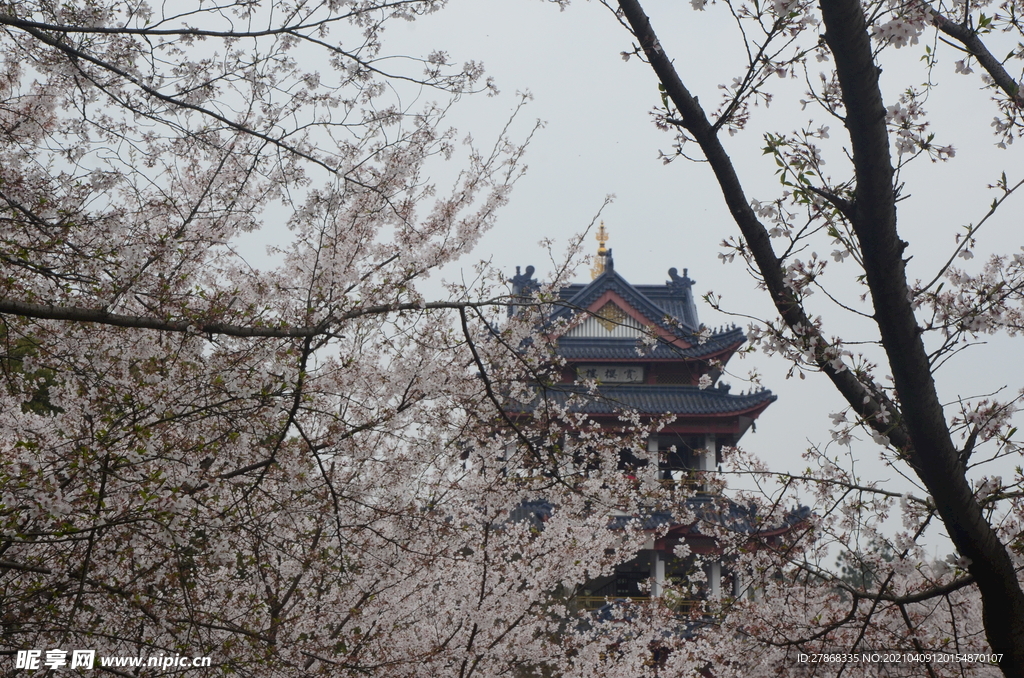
921, 432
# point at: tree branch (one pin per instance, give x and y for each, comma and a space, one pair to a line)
866, 402
968, 37
91, 315
931, 452
920, 431
11, 565
918, 597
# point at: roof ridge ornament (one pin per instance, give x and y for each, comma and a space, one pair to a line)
679, 281
681, 287
524, 283
523, 286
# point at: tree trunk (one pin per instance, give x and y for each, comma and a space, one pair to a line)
921, 433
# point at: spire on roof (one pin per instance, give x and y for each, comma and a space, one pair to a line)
602, 252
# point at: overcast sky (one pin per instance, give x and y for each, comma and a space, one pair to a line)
599, 140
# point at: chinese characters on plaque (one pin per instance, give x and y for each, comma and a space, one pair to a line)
611, 374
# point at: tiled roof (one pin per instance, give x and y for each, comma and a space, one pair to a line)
649, 521
670, 302
536, 511
745, 519
702, 509
669, 306
674, 301
592, 348
651, 399
718, 511
675, 305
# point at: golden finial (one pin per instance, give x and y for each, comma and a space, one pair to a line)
602, 251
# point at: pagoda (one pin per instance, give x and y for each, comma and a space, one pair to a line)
642, 348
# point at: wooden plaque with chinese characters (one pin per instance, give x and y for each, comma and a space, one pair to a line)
611, 374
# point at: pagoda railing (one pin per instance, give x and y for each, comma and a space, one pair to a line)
684, 607
691, 484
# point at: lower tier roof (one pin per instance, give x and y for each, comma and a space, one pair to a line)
679, 400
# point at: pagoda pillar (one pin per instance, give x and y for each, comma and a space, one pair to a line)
715, 580
707, 455
653, 456
657, 574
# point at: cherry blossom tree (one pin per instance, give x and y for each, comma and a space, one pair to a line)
304, 467
959, 459
309, 468
295, 469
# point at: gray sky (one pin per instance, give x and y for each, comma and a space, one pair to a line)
599, 140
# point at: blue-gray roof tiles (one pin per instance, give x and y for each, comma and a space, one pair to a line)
590, 348
669, 306
710, 510
676, 312
699, 510
652, 399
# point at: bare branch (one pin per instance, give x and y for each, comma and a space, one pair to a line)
325, 327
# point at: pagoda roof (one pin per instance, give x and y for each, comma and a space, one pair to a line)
668, 309
592, 348
666, 299
669, 306
700, 510
657, 400
716, 511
